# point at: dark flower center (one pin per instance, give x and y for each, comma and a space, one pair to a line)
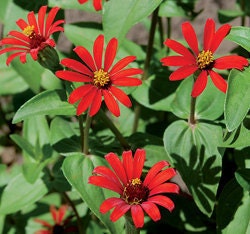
204, 59
35, 39
58, 229
135, 192
101, 79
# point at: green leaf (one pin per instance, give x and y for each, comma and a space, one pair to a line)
118, 17
240, 35
77, 169
233, 213
237, 98
226, 15
27, 194
171, 8
209, 105
50, 102
243, 178
194, 153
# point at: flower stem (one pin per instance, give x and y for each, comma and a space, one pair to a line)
129, 226
114, 129
192, 119
80, 120
86, 135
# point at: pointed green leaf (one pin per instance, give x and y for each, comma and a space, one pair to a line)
50, 102
77, 169
237, 102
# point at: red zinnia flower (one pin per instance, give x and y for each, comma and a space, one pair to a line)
60, 223
101, 79
35, 35
96, 3
136, 194
202, 61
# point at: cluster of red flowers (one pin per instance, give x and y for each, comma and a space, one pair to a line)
96, 3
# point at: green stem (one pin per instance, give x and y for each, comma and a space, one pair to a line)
80, 120
192, 119
86, 135
78, 219
113, 128
243, 17
129, 226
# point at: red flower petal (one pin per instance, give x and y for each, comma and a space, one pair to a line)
117, 166
209, 31
32, 21
97, 51
161, 177
119, 211
21, 24
230, 61
12, 56
126, 73
109, 203
190, 37
86, 101
176, 61
96, 104
139, 159
179, 48
110, 53
219, 36
82, 1
218, 81
104, 182
154, 171
86, 57
44, 223
162, 201
73, 76
127, 81
41, 17
128, 164
50, 18
111, 103
76, 66
120, 96
97, 4
14, 41
19, 35
137, 215
199, 84
121, 64
53, 212
152, 210
183, 72
165, 188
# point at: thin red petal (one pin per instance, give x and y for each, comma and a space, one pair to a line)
154, 171
162, 201
44, 223
21, 24
119, 211
122, 64
209, 31
110, 53
86, 57
127, 160
32, 21
19, 35
110, 203
111, 103
179, 48
96, 104
125, 73
161, 177
117, 166
97, 4
50, 18
53, 212
72, 76
82, 1
120, 96
14, 41
183, 72
86, 101
200, 84
22, 56
176, 61
190, 37
219, 36
165, 188
152, 210
137, 215
76, 66
218, 81
230, 61
97, 51
127, 81
61, 214
139, 159
41, 19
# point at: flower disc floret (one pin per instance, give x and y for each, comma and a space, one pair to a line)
204, 59
101, 78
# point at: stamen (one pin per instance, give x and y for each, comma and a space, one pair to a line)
29, 30
204, 59
101, 78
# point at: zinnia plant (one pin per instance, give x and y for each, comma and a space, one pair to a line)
136, 192
202, 61
96, 3
100, 78
34, 37
60, 222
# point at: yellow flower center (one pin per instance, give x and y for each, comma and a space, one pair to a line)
135, 181
29, 30
101, 78
204, 59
